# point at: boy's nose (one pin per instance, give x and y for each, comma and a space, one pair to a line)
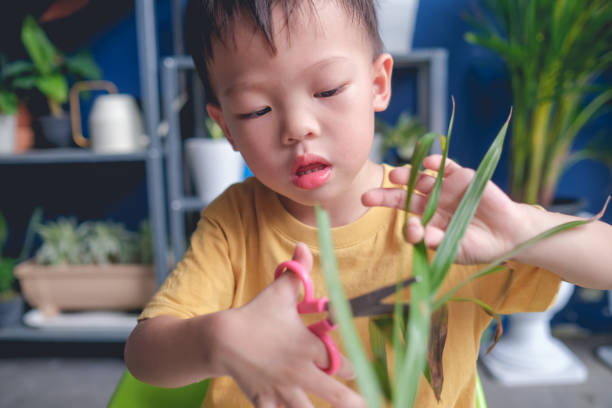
299, 126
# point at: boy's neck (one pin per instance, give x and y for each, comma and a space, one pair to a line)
344, 209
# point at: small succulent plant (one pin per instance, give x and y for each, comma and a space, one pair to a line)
92, 242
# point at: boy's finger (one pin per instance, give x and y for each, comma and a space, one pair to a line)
346, 371
393, 198
433, 163
384, 197
332, 391
294, 397
414, 230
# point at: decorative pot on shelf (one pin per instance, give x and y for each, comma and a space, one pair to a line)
8, 127
53, 289
55, 131
397, 20
214, 166
11, 310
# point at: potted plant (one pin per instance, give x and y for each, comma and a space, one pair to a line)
88, 266
10, 73
554, 52
11, 303
401, 138
48, 72
214, 163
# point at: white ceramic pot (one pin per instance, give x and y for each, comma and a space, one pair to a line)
396, 22
8, 128
115, 124
214, 166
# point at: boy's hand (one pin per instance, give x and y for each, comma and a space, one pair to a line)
273, 356
493, 229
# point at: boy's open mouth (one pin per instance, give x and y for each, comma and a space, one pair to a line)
310, 172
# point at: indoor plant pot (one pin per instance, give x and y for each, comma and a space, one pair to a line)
55, 288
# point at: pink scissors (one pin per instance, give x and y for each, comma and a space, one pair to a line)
368, 304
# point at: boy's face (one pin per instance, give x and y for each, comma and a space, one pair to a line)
303, 118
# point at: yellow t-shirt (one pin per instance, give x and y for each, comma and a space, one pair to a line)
244, 234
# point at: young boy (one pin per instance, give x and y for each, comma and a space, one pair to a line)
295, 85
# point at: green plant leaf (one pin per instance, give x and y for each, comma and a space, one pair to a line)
421, 150
417, 332
378, 344
42, 52
54, 86
367, 379
83, 66
8, 102
447, 251
434, 196
488, 310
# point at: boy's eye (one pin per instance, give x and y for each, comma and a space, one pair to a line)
327, 94
255, 114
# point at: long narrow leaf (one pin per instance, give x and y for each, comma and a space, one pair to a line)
417, 332
366, 379
434, 196
447, 251
420, 151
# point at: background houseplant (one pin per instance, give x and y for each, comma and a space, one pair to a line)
92, 265
214, 163
554, 52
400, 138
11, 304
49, 72
11, 74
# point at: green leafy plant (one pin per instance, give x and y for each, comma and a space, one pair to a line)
7, 264
49, 69
417, 339
402, 136
92, 242
213, 129
554, 51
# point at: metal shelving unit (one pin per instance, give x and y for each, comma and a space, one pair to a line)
431, 70
152, 158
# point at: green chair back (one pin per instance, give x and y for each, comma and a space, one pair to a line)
131, 393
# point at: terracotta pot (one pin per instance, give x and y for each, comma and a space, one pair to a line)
24, 139
85, 287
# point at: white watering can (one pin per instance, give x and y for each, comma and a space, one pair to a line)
115, 122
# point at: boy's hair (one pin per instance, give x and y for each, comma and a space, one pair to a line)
208, 20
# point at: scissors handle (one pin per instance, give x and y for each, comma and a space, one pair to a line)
310, 304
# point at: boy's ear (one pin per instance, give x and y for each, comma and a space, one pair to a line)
382, 69
214, 111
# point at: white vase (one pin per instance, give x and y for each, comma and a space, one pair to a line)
527, 353
214, 166
8, 129
396, 21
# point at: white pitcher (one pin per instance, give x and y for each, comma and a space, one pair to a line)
115, 122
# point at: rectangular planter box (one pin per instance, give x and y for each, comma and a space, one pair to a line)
52, 289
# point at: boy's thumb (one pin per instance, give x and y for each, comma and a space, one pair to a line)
302, 254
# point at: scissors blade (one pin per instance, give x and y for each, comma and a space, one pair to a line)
369, 304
